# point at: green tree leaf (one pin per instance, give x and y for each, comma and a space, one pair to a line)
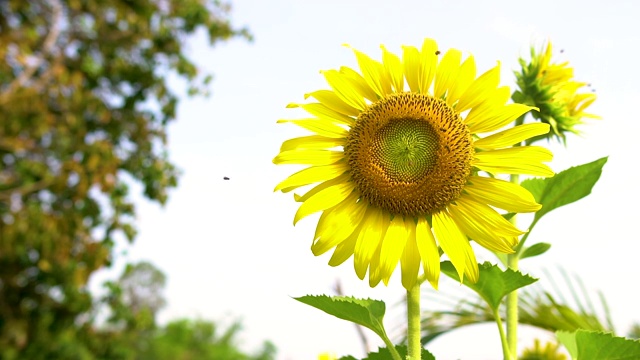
493, 283
384, 354
366, 312
535, 250
565, 187
592, 345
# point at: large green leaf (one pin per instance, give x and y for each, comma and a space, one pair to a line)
366, 312
565, 187
592, 345
384, 354
493, 283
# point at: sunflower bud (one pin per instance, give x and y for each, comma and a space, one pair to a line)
550, 87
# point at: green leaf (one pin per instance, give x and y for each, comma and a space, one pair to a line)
592, 345
493, 283
565, 187
384, 354
535, 250
366, 312
568, 339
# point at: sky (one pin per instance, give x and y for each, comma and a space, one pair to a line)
229, 247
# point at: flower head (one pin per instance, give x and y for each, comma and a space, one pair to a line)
551, 351
550, 87
327, 356
400, 167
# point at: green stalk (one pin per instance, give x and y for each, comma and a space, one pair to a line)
413, 322
512, 297
392, 349
506, 352
512, 311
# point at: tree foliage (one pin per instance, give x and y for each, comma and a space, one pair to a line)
131, 332
84, 104
200, 339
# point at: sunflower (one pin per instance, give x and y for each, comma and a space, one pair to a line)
400, 169
551, 351
550, 87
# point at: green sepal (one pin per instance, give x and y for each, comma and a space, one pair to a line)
493, 283
535, 250
594, 345
366, 312
384, 354
565, 187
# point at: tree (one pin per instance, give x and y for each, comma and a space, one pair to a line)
142, 285
84, 105
131, 331
199, 339
132, 302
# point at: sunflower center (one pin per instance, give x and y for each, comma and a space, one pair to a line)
406, 149
410, 154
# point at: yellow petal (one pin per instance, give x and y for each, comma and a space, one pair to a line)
312, 175
359, 83
502, 194
308, 157
512, 136
482, 227
337, 224
487, 217
345, 249
518, 160
333, 102
344, 89
393, 66
311, 142
324, 112
493, 103
410, 261
373, 73
495, 118
316, 189
466, 75
429, 61
447, 73
375, 273
455, 244
324, 199
412, 67
320, 127
477, 91
428, 252
375, 225
393, 246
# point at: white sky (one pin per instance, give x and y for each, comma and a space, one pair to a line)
229, 248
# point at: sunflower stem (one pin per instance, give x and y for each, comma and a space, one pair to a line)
512, 297
506, 352
413, 323
512, 311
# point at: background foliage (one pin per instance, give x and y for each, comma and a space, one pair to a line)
84, 105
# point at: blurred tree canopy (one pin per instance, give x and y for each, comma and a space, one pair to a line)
199, 339
84, 105
131, 331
